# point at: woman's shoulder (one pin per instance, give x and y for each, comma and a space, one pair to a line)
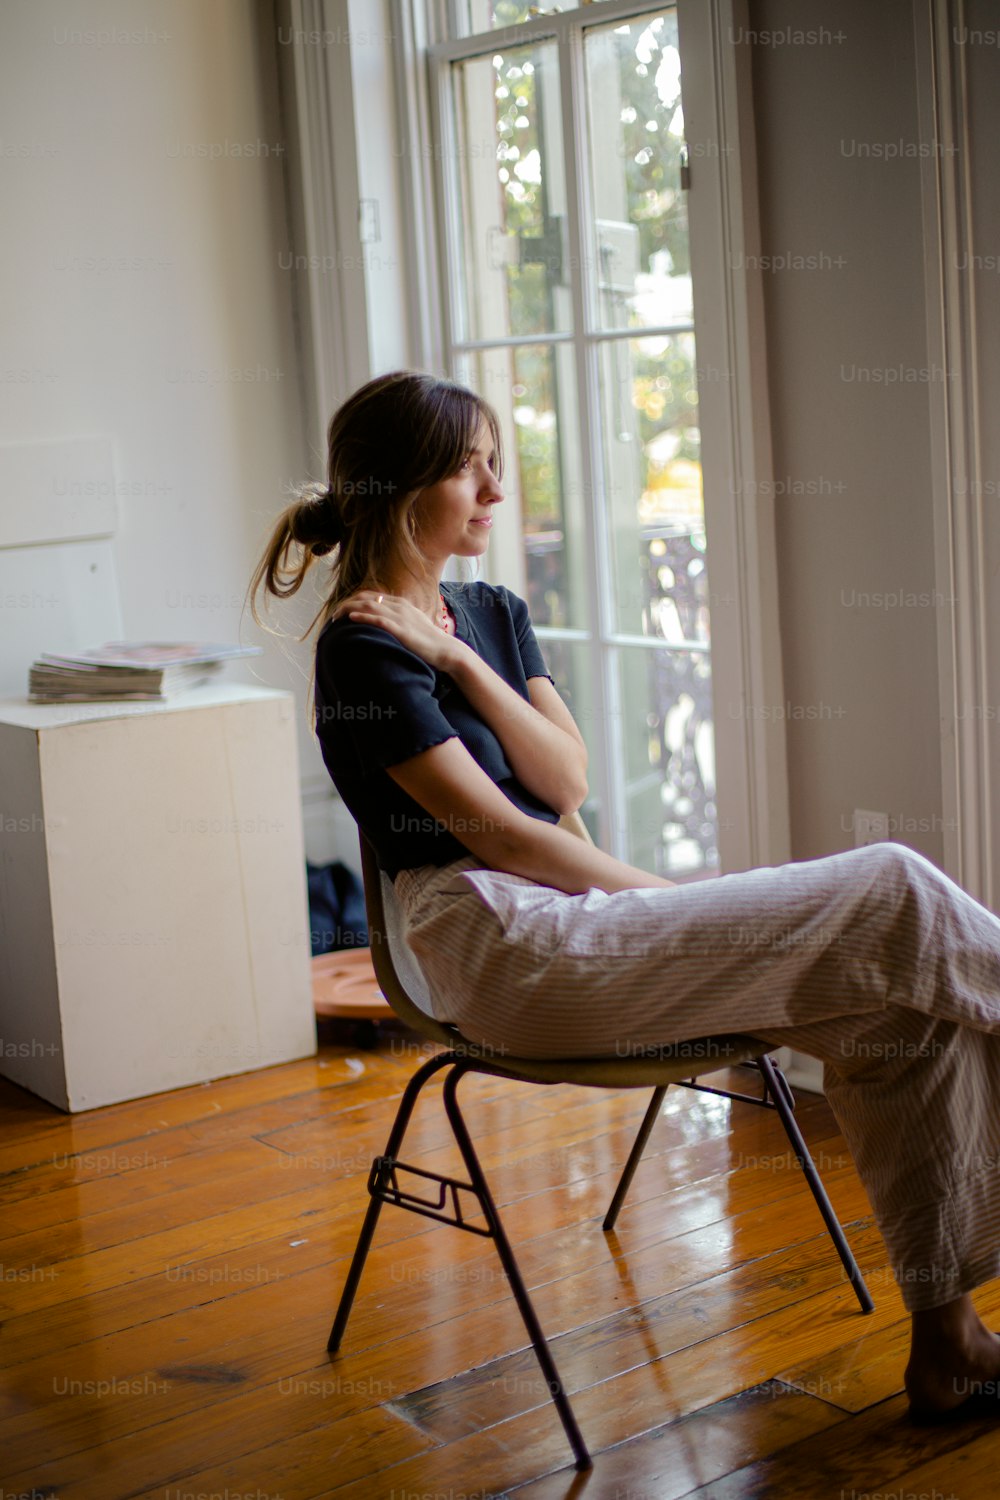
334, 632
346, 646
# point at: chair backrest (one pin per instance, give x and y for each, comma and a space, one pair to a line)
396, 969
573, 823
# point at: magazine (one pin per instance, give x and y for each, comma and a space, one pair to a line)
137, 671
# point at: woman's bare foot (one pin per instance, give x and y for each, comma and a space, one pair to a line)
953, 1356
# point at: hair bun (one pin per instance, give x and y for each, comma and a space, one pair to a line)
316, 523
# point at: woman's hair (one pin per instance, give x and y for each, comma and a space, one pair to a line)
393, 438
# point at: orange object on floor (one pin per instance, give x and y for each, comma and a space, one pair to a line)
344, 985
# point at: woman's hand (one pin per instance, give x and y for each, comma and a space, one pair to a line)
405, 621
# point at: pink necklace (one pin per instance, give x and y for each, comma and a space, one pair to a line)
444, 619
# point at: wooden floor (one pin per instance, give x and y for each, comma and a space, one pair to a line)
170, 1269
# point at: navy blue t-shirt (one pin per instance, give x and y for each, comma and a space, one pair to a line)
378, 703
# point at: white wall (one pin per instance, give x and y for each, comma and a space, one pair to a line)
120, 126
867, 672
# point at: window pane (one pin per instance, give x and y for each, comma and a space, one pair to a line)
513, 270
485, 15
570, 665
652, 469
669, 761
646, 714
532, 388
640, 229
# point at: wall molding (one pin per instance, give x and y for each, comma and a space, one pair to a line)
323, 177
956, 466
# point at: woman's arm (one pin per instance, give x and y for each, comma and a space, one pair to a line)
450, 785
540, 739
542, 743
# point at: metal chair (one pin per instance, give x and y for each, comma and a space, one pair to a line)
448, 1199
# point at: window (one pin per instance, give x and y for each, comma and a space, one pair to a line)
568, 304
639, 461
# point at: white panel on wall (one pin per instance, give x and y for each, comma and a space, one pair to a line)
57, 598
58, 583
56, 491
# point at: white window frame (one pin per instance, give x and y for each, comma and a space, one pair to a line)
966, 659
739, 507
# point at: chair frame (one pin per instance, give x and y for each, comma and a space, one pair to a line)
446, 1199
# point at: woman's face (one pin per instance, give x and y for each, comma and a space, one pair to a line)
454, 516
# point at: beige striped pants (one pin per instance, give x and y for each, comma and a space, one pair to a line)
872, 960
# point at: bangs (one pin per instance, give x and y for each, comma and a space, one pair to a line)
453, 430
403, 432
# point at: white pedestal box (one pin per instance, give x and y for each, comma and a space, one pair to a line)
154, 924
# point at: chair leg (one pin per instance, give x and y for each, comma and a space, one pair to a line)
779, 1090
512, 1270
400, 1123
635, 1155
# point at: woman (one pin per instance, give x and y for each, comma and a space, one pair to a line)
446, 738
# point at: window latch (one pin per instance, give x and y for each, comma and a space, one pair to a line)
545, 249
685, 159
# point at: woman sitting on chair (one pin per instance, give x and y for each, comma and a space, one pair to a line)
449, 743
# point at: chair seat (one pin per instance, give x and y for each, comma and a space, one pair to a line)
650, 1069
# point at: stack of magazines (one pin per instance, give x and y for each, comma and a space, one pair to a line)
140, 671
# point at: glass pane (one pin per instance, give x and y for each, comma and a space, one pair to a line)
569, 663
532, 388
653, 485
669, 750
513, 264
640, 228
484, 15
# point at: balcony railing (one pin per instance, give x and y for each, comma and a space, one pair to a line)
677, 719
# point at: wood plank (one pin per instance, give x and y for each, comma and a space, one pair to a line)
611, 1410
48, 1247
656, 1325
331, 1232
134, 1117
313, 1114
163, 1453
966, 1470
509, 1453
877, 1451
858, 1378
675, 1458
672, 1460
